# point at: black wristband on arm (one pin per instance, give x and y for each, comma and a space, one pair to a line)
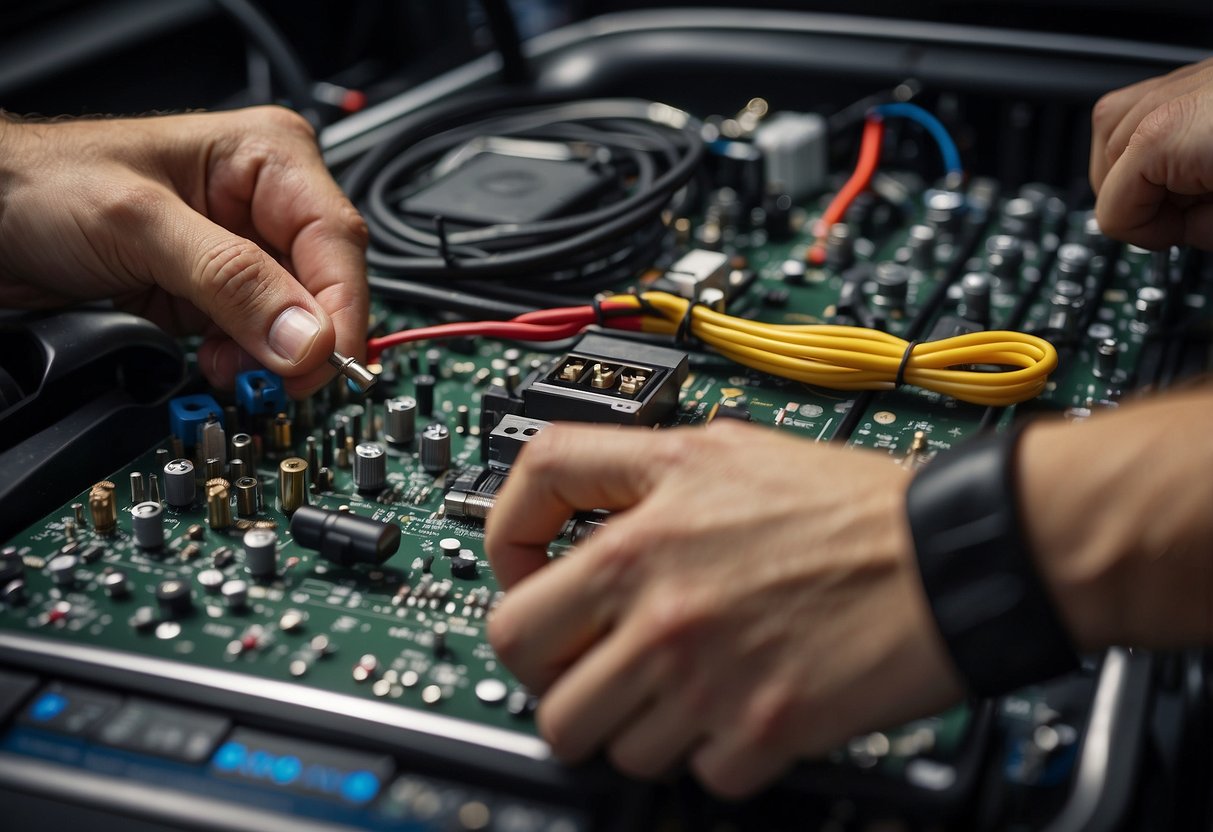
994, 612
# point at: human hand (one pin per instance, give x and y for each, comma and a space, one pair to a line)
753, 601
226, 224
1150, 161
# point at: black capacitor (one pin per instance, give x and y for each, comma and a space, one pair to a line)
975, 293
344, 538
463, 418
944, 209
777, 208
173, 599
840, 246
423, 391
13, 593
892, 285
859, 214
1107, 355
462, 567
920, 243
1149, 304
1073, 262
326, 449
1004, 258
1021, 218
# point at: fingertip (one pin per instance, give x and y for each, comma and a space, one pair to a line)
222, 359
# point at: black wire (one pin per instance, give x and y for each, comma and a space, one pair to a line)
426, 294
286, 63
504, 29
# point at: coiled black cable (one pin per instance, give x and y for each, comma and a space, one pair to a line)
651, 150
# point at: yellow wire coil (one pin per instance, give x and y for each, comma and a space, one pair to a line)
855, 358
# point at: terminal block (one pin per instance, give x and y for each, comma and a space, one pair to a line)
606, 379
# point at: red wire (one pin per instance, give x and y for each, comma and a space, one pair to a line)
869, 158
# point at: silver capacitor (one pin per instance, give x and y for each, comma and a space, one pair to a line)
370, 466
435, 448
261, 552
147, 523
892, 285
1073, 262
400, 420
1004, 257
242, 448
975, 292
179, 486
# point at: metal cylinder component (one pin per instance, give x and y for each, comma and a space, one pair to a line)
261, 552
246, 496
975, 290
213, 442
423, 389
326, 452
137, 491
218, 507
313, 459
1004, 258
1107, 356
435, 448
280, 432
292, 484
213, 468
513, 379
153, 488
1073, 262
235, 594
370, 466
1021, 218
147, 523
792, 270
920, 240
840, 246
237, 468
1149, 304
173, 598
944, 208
345, 538
1065, 305
892, 285
63, 570
78, 513
242, 448
463, 418
400, 420
103, 509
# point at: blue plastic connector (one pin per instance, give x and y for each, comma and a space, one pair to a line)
260, 393
187, 413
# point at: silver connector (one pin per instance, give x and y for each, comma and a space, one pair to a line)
359, 376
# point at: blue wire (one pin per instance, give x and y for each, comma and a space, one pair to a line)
947, 147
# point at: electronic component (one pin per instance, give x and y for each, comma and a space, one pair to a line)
188, 413
344, 538
975, 288
213, 442
892, 283
794, 145
606, 379
173, 599
697, 270
509, 438
260, 393
292, 484
102, 508
370, 466
147, 523
246, 496
400, 420
358, 376
423, 387
435, 448
218, 506
260, 552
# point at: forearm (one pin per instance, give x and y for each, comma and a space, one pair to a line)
1119, 512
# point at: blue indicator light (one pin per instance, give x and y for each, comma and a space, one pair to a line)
287, 770
322, 778
359, 786
230, 756
260, 765
48, 706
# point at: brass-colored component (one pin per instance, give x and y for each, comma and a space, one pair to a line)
78, 509
213, 481
103, 508
604, 376
572, 370
213, 467
292, 484
919, 443
631, 383
218, 507
282, 432
246, 496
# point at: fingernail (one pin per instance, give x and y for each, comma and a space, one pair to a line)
293, 333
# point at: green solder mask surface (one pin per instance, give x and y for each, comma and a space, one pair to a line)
385, 618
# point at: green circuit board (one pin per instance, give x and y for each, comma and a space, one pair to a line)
410, 632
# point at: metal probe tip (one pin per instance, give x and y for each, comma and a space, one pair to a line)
359, 376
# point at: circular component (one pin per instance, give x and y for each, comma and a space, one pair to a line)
463, 417
166, 630
261, 552
975, 291
63, 569
320, 643
211, 579
147, 522
280, 431
491, 691
370, 466
793, 270
1149, 304
1073, 260
1021, 218
214, 468
423, 387
1107, 355
892, 284
143, 618
246, 496
884, 417
290, 621
292, 484
173, 598
115, 584
242, 448
409, 678
235, 594
179, 487
400, 420
435, 448
431, 694
921, 242
462, 567
840, 246
449, 546
237, 468
1004, 257
944, 208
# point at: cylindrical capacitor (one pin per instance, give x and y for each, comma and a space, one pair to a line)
1064, 306
1149, 304
463, 417
1107, 355
1004, 258
435, 448
104, 510
313, 460
1021, 218
179, 485
292, 484
147, 522
218, 507
173, 599
1073, 261
162, 458
137, 492
353, 421
513, 379
793, 271
892, 284
261, 552
153, 488
944, 209
975, 297
343, 537
400, 420
423, 389
326, 452
1092, 234
280, 430
63, 569
235, 594
214, 468
840, 246
920, 241
237, 468
242, 448
778, 216
370, 466
246, 496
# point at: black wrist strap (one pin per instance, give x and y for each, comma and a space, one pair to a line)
993, 610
